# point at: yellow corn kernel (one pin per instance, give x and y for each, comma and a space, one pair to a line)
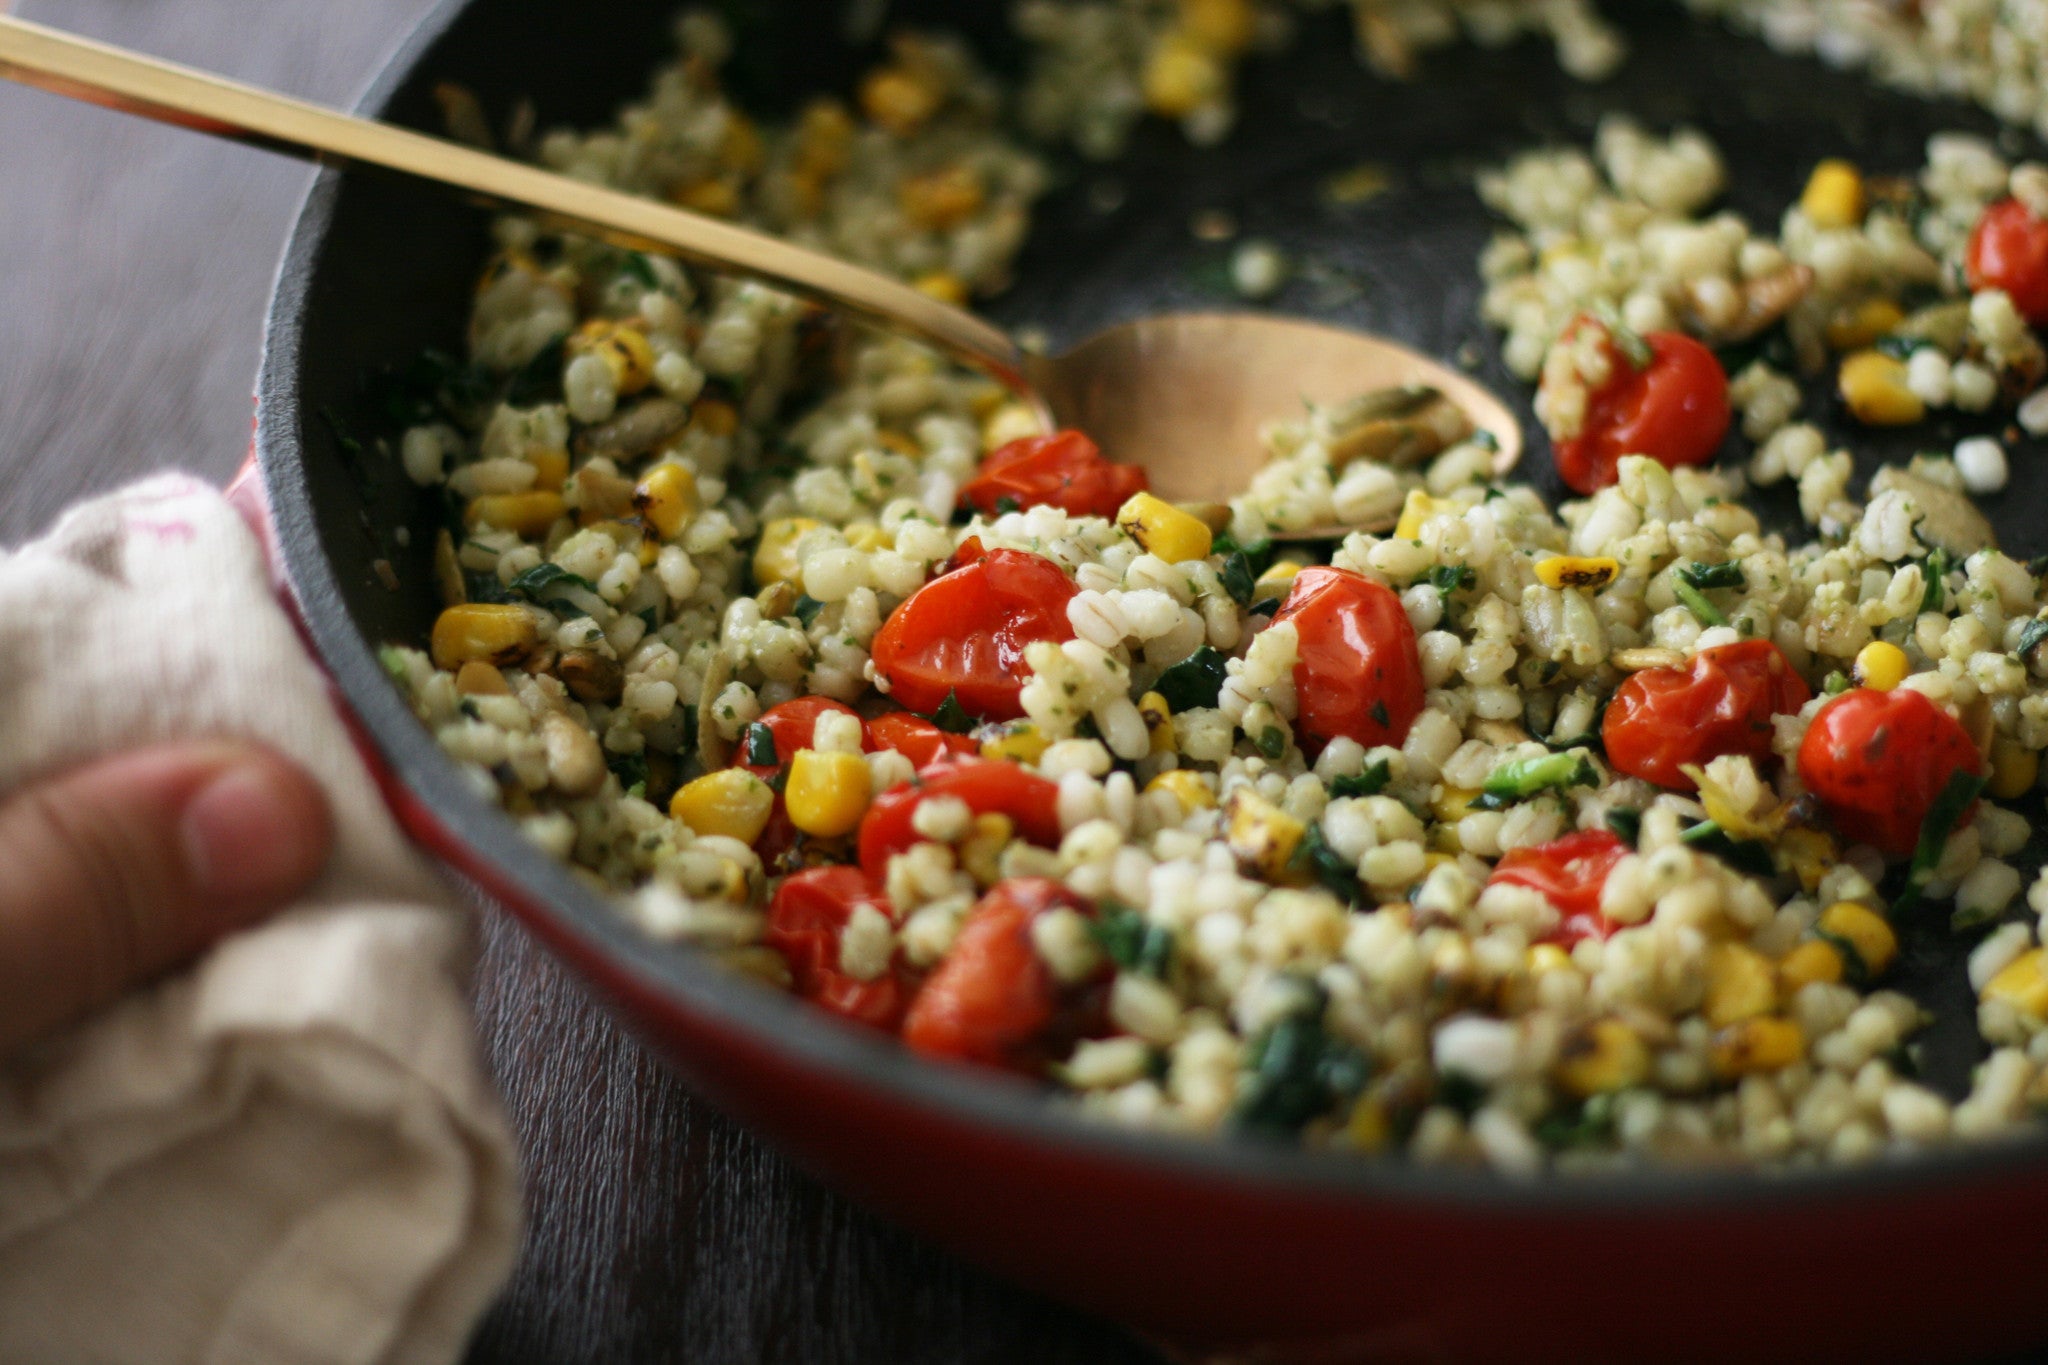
1180, 77
1019, 742
1864, 324
731, 802
1187, 787
715, 417
941, 199
1880, 666
647, 550
528, 514
1009, 422
1741, 984
944, 286
1276, 580
1453, 804
1548, 957
1158, 718
1418, 508
1604, 1056
1874, 386
666, 499
489, 632
550, 467
712, 196
1809, 854
1368, 1128
1263, 836
624, 350
1764, 1043
1162, 529
899, 101
478, 678
2022, 984
827, 793
775, 559
824, 136
1223, 27
980, 853
891, 439
1575, 571
867, 537
1814, 960
2014, 769
1863, 929
741, 150
1833, 197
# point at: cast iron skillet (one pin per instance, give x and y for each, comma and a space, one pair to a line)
1223, 1246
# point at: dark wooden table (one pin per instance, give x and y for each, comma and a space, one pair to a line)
138, 261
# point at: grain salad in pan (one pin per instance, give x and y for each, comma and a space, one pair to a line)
1493, 832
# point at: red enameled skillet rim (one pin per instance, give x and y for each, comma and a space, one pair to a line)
436, 805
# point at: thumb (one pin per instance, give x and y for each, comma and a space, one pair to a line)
117, 871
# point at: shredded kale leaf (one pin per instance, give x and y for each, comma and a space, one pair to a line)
1134, 943
1744, 855
1727, 574
1936, 569
806, 609
758, 744
951, 716
1943, 816
1627, 824
1239, 579
1696, 601
2031, 636
539, 585
1193, 682
1298, 1072
1450, 578
1371, 782
1326, 865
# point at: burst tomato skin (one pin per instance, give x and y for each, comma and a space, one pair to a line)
987, 786
966, 632
2009, 251
916, 738
1877, 760
1569, 873
1359, 672
1675, 410
1064, 470
805, 923
1720, 702
993, 1000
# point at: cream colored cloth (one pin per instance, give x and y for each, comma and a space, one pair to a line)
289, 1153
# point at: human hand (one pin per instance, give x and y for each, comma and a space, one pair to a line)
115, 872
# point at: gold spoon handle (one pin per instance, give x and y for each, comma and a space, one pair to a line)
100, 74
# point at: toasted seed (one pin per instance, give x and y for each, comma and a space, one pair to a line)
591, 676
635, 431
1636, 660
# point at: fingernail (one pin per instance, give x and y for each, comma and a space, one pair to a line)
245, 833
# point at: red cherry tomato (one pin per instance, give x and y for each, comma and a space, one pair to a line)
2009, 251
989, 787
1877, 760
1359, 673
1065, 470
965, 633
806, 921
970, 551
1675, 410
1569, 873
1720, 703
993, 1000
916, 738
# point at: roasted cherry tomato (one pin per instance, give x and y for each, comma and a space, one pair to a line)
806, 921
1359, 673
2009, 251
969, 551
993, 1000
1065, 470
989, 787
1878, 759
1570, 873
791, 726
916, 738
965, 633
1720, 703
1674, 409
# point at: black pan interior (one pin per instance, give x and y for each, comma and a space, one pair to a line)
379, 269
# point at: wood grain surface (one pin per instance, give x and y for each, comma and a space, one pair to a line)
138, 261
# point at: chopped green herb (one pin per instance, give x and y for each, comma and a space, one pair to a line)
806, 609
1744, 855
2031, 636
1962, 919
951, 716
1855, 970
1707, 612
1195, 681
1727, 574
539, 379
1936, 569
650, 617
1456, 1090
1258, 554
1265, 606
1133, 942
1627, 824
631, 770
758, 743
467, 706
1450, 578
1899, 346
1326, 865
1590, 1124
543, 583
638, 268
393, 660
1525, 777
1238, 579
1378, 712
1835, 683
1486, 440
1272, 742
1371, 782
1943, 816
1006, 503
1297, 1072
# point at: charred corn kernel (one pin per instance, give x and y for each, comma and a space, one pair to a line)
1419, 508
1575, 571
867, 537
1864, 324
1863, 929
1223, 27
1263, 836
741, 149
1548, 957
1814, 960
1874, 386
1186, 787
1809, 854
624, 350
487, 632
827, 793
480, 679
1833, 197
1180, 77
666, 499
944, 286
1158, 718
2022, 984
731, 802
1019, 742
1765, 1043
899, 101
713, 197
2014, 768
1452, 804
715, 417
1741, 984
1009, 422
1162, 529
775, 559
1880, 666
528, 514
1604, 1056
1276, 580
941, 199
981, 852
550, 467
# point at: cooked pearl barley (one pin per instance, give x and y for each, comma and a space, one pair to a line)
1981, 462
